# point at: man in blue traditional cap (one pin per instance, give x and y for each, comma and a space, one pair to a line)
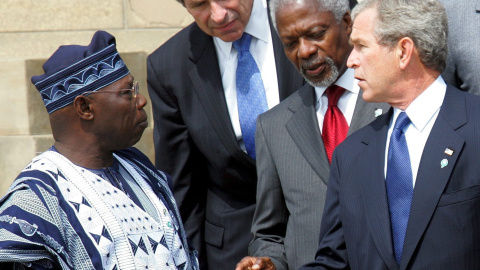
92, 201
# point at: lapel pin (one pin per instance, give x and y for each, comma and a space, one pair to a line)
443, 163
449, 151
378, 112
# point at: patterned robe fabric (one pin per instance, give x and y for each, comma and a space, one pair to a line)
59, 215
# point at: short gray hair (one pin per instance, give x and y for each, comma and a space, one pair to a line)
337, 7
424, 21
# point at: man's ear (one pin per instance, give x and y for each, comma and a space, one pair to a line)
83, 107
405, 50
347, 21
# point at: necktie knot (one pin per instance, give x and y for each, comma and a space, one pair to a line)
402, 121
334, 92
243, 44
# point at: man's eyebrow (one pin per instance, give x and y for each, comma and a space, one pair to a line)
355, 39
195, 2
352, 40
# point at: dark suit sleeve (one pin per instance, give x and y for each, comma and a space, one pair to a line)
271, 214
352, 3
175, 152
331, 252
463, 46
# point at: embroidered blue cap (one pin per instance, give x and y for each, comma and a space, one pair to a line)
75, 69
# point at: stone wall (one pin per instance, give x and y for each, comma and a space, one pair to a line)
31, 30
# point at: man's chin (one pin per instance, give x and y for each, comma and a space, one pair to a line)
325, 82
230, 35
368, 97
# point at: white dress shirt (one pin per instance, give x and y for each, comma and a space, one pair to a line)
261, 49
347, 101
423, 112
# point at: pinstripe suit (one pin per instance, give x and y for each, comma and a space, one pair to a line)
214, 180
293, 170
463, 63
444, 223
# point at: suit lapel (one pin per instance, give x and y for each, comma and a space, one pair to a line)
373, 189
205, 77
303, 128
431, 178
204, 74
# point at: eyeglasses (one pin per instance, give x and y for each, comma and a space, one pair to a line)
133, 91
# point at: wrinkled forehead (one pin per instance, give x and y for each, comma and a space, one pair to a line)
363, 27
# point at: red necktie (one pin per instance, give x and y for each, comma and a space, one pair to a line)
335, 126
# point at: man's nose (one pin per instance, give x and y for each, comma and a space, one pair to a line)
141, 101
306, 48
217, 12
352, 61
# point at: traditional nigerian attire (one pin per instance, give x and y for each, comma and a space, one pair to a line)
60, 215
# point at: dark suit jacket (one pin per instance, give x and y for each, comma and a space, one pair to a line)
293, 171
444, 224
352, 3
463, 64
214, 180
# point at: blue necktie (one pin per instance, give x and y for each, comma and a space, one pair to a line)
251, 97
399, 184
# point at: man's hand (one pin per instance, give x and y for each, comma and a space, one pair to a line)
255, 263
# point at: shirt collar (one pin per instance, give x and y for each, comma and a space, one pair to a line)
257, 26
424, 107
347, 81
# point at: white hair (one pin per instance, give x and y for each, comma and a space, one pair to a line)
337, 7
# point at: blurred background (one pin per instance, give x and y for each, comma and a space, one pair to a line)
31, 30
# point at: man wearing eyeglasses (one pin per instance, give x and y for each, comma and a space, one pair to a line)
92, 201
